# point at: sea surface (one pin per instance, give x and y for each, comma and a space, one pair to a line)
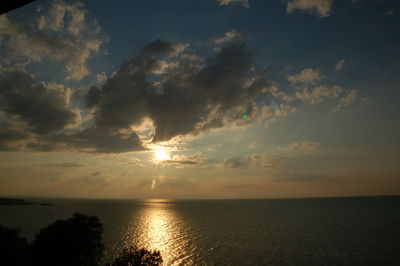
330, 231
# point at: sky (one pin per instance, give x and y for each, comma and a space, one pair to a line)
200, 99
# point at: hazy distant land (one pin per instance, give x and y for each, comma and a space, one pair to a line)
13, 202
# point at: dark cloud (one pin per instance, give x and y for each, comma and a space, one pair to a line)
180, 162
94, 140
254, 160
187, 100
236, 161
187, 159
122, 100
96, 178
44, 110
11, 132
38, 113
158, 47
180, 93
69, 165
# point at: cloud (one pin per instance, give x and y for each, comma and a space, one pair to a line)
101, 77
322, 8
213, 147
345, 101
284, 109
319, 94
283, 96
92, 140
158, 47
236, 161
305, 146
245, 3
233, 35
11, 133
197, 96
42, 106
256, 144
261, 160
253, 161
309, 88
96, 178
279, 168
36, 116
367, 100
340, 65
192, 159
69, 165
390, 12
306, 77
62, 34
56, 18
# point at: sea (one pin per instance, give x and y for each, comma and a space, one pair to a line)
317, 231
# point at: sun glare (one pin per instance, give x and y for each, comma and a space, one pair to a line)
161, 155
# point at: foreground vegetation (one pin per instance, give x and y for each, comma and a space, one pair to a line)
74, 241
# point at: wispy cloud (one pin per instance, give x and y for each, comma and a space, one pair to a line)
346, 101
69, 164
244, 3
253, 161
306, 77
390, 12
256, 144
213, 147
233, 35
96, 178
321, 8
304, 146
319, 94
340, 65
70, 41
187, 159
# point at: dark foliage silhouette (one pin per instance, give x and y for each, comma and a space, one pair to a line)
75, 241
13, 248
138, 257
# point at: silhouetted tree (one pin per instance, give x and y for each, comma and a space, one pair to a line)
13, 248
72, 242
134, 256
75, 241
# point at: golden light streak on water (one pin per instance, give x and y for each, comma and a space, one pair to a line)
159, 227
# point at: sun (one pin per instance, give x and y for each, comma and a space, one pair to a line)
161, 155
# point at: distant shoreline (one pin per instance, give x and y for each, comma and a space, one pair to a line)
19, 202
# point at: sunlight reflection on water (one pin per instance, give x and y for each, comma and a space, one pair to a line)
159, 227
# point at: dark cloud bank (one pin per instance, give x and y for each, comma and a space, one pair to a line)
42, 109
181, 93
